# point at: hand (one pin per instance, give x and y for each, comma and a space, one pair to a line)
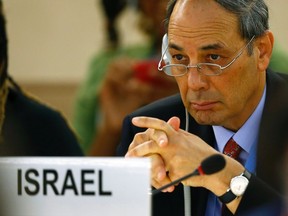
181, 152
159, 175
121, 93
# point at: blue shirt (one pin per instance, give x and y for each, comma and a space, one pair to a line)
246, 137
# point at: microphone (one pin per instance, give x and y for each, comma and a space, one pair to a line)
209, 166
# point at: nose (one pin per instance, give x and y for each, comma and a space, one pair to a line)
196, 80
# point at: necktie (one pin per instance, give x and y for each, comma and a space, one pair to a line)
232, 149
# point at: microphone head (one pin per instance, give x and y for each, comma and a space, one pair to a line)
213, 164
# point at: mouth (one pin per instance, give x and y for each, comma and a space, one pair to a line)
203, 106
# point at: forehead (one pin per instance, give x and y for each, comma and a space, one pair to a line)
204, 20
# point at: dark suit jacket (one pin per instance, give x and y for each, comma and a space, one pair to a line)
269, 153
33, 129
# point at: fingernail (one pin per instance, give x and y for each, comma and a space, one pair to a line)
135, 119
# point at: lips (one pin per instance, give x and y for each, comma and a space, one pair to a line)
203, 105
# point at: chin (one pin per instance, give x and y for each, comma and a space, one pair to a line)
205, 118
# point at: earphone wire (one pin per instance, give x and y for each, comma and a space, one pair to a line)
186, 189
187, 193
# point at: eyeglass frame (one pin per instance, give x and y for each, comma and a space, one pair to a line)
199, 64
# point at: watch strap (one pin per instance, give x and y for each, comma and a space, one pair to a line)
229, 196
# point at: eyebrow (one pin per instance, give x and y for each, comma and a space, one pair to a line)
215, 46
175, 46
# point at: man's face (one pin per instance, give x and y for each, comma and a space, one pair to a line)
202, 31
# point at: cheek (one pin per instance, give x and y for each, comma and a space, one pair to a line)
229, 87
183, 86
242, 84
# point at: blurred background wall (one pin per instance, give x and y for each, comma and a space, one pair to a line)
52, 41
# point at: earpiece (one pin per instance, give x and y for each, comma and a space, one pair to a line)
165, 53
164, 43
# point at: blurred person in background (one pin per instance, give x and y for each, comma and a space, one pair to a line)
27, 126
121, 79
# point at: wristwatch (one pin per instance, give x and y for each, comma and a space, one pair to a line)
238, 185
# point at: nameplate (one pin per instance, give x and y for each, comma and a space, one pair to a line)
86, 186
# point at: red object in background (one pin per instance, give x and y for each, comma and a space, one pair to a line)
147, 72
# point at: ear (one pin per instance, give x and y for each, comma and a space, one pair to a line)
264, 45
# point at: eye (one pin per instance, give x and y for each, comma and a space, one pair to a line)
214, 57
179, 59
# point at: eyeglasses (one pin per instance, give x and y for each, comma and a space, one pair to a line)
208, 69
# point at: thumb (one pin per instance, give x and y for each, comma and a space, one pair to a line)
174, 122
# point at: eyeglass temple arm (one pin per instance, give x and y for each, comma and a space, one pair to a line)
239, 54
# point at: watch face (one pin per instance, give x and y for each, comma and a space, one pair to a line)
238, 185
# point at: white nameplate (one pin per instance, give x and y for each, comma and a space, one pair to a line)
54, 186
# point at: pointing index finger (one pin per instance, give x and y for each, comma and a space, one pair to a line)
154, 123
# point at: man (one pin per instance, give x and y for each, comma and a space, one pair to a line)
28, 127
218, 51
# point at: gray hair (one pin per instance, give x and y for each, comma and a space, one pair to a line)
252, 15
